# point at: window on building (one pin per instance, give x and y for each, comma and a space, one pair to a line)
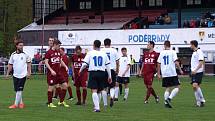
137, 3
122, 3
155, 3
194, 2
115, 3
151, 2
82, 5
85, 5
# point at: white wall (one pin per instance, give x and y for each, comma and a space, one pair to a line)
136, 39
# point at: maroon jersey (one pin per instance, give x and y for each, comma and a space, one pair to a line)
150, 62
54, 58
63, 71
77, 62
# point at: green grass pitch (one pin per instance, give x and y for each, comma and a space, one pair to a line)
132, 110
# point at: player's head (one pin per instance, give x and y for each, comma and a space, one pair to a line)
62, 51
124, 51
167, 44
78, 49
56, 44
97, 44
107, 42
19, 45
150, 45
193, 44
50, 42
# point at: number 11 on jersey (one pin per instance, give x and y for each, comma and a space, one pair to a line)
166, 60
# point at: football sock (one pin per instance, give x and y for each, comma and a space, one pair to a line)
84, 95
100, 96
120, 88
18, 97
148, 93
70, 91
126, 93
196, 96
116, 92
112, 91
78, 94
166, 95
174, 93
199, 91
153, 92
104, 96
95, 100
62, 95
50, 94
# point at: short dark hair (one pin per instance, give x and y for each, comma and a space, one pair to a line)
56, 41
18, 41
62, 49
152, 43
78, 47
167, 43
107, 42
194, 42
123, 49
97, 43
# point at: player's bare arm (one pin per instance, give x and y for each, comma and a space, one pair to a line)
109, 73
128, 67
64, 65
83, 66
10, 66
141, 70
49, 67
201, 62
117, 66
73, 70
29, 69
178, 66
159, 70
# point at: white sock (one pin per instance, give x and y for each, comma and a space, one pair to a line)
112, 91
126, 93
104, 96
166, 95
196, 96
116, 92
18, 97
95, 100
174, 93
199, 92
100, 96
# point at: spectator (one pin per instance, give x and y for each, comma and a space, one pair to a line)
208, 15
210, 23
167, 19
186, 24
197, 22
192, 23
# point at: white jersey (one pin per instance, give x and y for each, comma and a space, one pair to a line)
167, 60
19, 62
196, 57
124, 61
112, 55
96, 60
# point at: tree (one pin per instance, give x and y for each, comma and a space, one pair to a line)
16, 14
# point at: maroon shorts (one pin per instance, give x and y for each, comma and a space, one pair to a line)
66, 78
53, 80
148, 78
80, 81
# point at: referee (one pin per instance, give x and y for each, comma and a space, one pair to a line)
20, 62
